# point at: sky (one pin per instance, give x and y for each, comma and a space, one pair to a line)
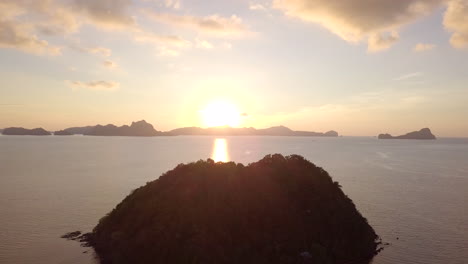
360, 67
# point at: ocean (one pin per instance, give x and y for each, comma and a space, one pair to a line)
414, 193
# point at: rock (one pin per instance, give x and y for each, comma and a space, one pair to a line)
72, 235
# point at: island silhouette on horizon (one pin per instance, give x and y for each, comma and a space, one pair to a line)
145, 129
424, 133
25, 132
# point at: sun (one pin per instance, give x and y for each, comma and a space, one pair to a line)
220, 113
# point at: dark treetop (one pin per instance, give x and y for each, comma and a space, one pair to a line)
424, 133
277, 210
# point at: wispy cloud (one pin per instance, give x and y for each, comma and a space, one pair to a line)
173, 4
214, 25
379, 42
203, 44
257, 7
420, 47
101, 51
164, 51
408, 76
172, 40
94, 85
109, 64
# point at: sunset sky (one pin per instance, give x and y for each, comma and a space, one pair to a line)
359, 67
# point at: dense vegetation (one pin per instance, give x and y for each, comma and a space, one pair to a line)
277, 210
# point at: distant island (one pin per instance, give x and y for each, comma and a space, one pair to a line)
277, 210
424, 133
79, 130
142, 128
136, 129
231, 131
145, 129
23, 131
62, 133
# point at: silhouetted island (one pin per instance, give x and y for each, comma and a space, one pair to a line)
62, 133
424, 133
19, 131
142, 128
250, 131
136, 129
277, 210
79, 130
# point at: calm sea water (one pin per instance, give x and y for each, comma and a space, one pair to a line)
414, 193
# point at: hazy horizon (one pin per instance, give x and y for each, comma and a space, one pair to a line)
357, 67
228, 126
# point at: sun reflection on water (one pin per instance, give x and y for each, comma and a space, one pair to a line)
220, 152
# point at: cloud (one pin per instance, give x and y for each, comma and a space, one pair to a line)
358, 20
102, 51
214, 25
408, 76
23, 20
257, 7
109, 14
168, 52
173, 4
19, 36
24, 23
149, 37
420, 47
95, 85
203, 44
99, 50
378, 42
109, 64
456, 21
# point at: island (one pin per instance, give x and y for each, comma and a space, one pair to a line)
250, 131
19, 131
62, 133
136, 129
79, 130
424, 133
143, 128
277, 210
